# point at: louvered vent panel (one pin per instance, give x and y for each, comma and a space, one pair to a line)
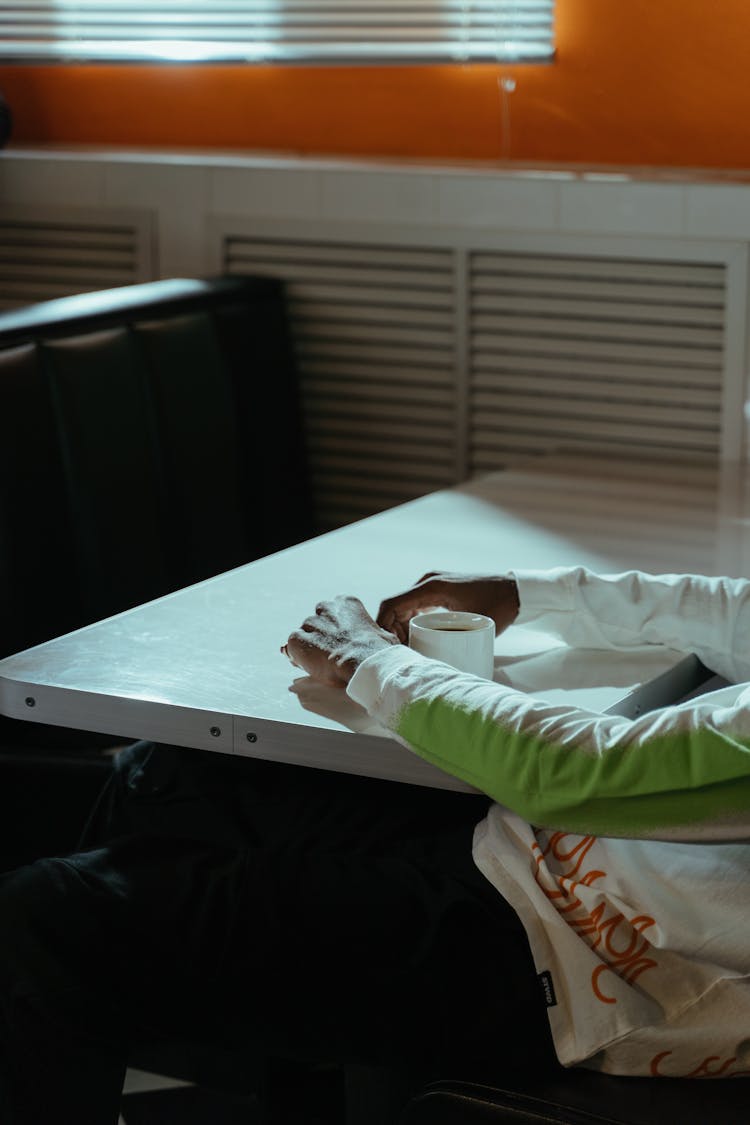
57, 255
594, 355
374, 333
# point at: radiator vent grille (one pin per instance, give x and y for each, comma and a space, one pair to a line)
375, 340
590, 354
425, 362
45, 254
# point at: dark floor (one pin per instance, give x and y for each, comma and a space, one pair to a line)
312, 1098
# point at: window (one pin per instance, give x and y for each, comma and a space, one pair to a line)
283, 31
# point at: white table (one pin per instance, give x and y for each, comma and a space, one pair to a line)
202, 667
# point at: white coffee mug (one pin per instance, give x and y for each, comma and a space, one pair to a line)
464, 640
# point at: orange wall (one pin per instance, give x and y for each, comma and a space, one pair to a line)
664, 82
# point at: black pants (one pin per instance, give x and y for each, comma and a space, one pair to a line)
308, 914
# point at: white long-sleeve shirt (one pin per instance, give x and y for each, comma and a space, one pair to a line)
620, 843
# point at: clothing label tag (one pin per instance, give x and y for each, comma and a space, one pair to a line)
548, 988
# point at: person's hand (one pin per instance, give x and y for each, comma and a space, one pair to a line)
495, 597
332, 643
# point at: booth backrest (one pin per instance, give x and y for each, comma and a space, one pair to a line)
150, 439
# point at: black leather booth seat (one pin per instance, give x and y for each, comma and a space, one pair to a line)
150, 439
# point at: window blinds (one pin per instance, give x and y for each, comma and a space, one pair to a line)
285, 31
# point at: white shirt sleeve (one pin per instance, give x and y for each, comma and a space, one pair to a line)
707, 616
678, 773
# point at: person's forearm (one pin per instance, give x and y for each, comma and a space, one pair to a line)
680, 773
707, 616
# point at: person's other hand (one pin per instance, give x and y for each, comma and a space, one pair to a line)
332, 643
495, 597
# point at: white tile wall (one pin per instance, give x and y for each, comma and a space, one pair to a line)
621, 208
273, 193
509, 203
185, 190
59, 183
378, 197
717, 211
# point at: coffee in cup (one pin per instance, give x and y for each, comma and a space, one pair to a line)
464, 640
